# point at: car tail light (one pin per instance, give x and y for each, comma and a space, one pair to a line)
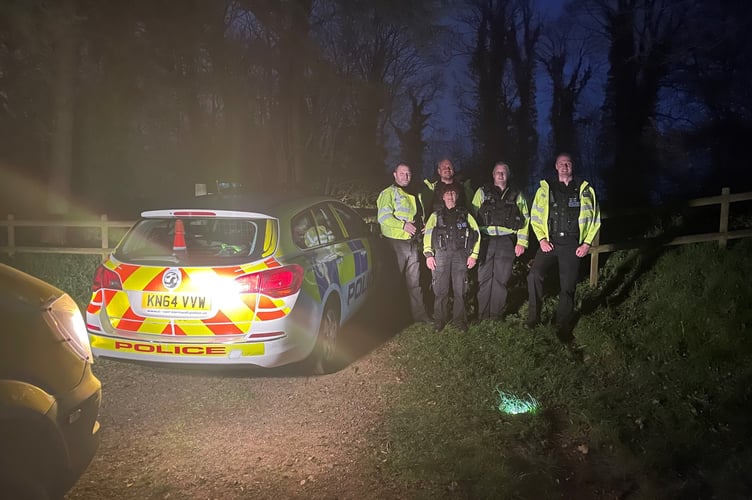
64, 318
279, 282
106, 278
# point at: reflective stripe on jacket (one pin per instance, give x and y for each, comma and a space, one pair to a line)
522, 232
396, 206
589, 221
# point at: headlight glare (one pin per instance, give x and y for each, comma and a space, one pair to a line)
64, 318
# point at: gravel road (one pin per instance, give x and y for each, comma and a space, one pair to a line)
216, 434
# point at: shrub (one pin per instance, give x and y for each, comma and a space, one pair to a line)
70, 273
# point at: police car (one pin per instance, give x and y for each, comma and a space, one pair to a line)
260, 279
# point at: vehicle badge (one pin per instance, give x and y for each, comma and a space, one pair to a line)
171, 278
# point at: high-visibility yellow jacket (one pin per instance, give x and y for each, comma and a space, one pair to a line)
396, 206
589, 220
522, 232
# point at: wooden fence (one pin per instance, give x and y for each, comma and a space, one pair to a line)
104, 225
722, 236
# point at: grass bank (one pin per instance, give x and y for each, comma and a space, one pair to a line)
652, 399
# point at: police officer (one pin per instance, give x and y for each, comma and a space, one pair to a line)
400, 215
433, 195
565, 217
451, 245
502, 213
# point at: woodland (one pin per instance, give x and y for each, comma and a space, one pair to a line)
110, 106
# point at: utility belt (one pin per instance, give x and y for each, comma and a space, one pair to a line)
565, 237
409, 242
508, 217
446, 244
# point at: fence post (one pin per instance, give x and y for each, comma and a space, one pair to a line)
724, 225
11, 235
594, 260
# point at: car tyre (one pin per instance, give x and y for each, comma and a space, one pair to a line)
21, 486
323, 359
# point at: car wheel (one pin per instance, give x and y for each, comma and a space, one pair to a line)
21, 486
324, 355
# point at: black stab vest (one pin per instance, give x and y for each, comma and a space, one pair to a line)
498, 209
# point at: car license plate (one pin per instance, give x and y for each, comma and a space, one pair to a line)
178, 302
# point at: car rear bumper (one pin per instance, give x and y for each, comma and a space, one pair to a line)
269, 353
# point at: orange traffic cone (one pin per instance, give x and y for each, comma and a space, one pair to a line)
178, 244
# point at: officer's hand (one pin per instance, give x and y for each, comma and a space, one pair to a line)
546, 245
431, 263
410, 228
582, 250
471, 262
519, 250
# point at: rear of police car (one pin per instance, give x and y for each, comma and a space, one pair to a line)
198, 286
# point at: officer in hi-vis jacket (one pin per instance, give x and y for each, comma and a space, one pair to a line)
501, 211
565, 217
450, 244
400, 215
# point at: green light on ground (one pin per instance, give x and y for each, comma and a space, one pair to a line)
513, 405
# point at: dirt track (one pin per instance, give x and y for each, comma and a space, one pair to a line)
188, 433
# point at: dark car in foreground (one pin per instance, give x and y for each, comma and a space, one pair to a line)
258, 279
49, 397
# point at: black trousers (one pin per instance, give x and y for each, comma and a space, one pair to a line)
569, 267
496, 263
407, 257
451, 271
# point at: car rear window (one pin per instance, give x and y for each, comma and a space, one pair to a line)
195, 241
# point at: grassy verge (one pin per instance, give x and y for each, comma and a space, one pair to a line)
651, 400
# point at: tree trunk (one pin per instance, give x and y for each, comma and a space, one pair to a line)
63, 98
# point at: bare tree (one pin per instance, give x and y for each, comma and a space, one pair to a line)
160, 95
523, 36
642, 36
65, 47
412, 140
490, 109
502, 111
712, 98
556, 56
384, 59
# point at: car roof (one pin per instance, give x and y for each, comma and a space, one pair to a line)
276, 204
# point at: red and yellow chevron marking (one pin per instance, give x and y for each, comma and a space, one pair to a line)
95, 304
234, 314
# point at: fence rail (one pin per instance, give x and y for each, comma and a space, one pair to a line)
722, 236
104, 225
